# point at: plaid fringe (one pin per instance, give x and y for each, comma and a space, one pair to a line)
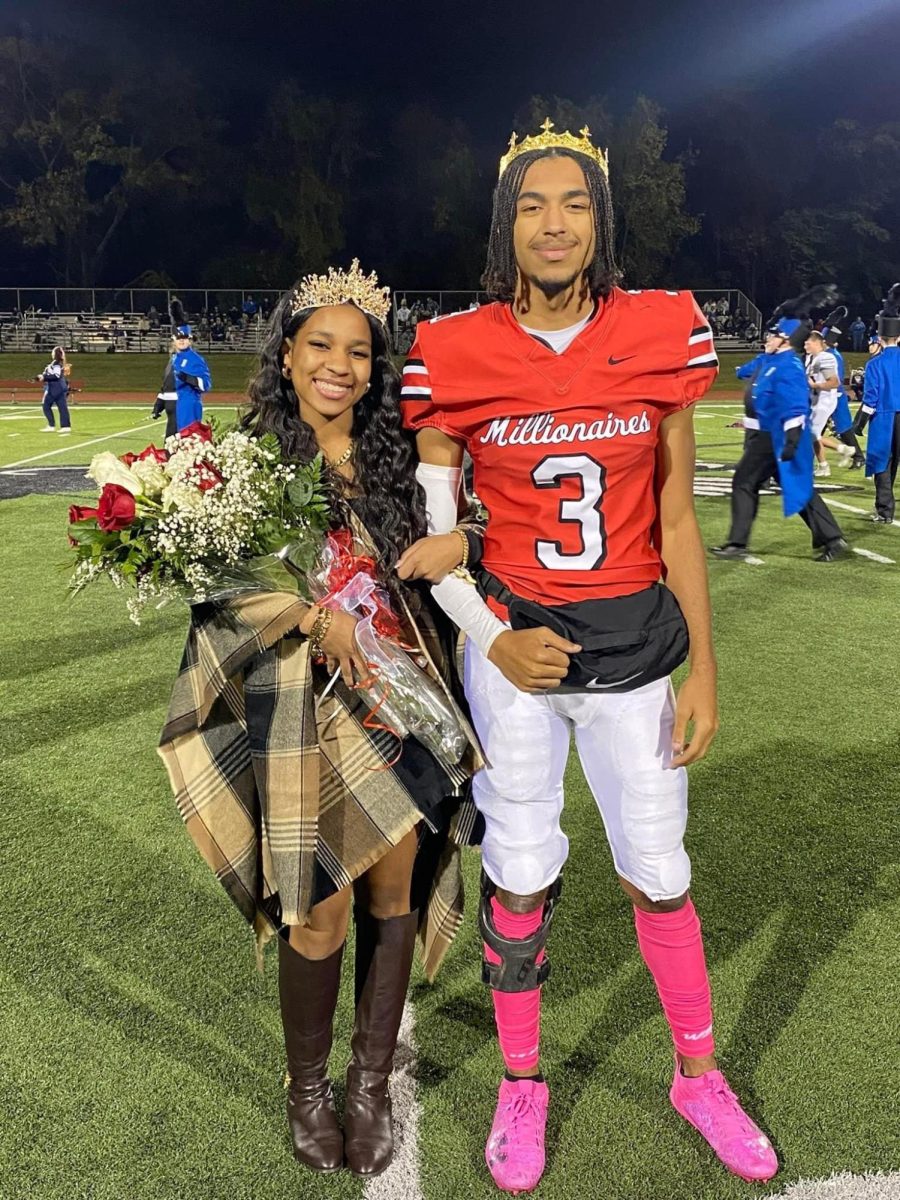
273, 788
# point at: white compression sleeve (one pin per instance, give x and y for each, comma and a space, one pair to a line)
459, 600
441, 487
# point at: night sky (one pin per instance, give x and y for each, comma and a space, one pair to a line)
481, 61
785, 64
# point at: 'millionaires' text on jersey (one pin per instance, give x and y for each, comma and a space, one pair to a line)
543, 430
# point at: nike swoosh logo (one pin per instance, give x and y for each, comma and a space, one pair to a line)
615, 361
597, 686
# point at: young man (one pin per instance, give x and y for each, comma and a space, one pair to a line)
881, 409
824, 387
847, 444
778, 441
574, 400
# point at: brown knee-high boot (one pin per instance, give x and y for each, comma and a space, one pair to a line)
308, 989
384, 951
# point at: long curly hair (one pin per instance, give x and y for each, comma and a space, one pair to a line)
386, 496
500, 277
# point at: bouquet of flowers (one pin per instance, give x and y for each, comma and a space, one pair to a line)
211, 518
203, 519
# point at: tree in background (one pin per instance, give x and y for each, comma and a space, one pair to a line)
302, 166
77, 160
424, 207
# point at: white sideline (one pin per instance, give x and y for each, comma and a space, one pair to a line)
872, 555
845, 1186
864, 512
70, 446
401, 1180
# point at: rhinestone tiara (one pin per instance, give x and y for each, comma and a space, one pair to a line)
343, 287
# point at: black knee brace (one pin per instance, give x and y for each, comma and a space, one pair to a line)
517, 970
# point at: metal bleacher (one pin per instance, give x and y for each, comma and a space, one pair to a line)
139, 324
115, 332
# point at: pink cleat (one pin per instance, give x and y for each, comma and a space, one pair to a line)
515, 1149
713, 1109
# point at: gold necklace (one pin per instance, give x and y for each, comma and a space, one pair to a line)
344, 459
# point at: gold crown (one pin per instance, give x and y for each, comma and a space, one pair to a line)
342, 287
551, 140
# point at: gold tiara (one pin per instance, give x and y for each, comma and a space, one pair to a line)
549, 140
342, 287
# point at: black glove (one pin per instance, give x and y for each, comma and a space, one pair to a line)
861, 421
791, 442
191, 380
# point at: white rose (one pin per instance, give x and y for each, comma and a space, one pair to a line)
151, 477
106, 468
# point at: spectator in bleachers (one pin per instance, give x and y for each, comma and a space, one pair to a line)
249, 308
55, 378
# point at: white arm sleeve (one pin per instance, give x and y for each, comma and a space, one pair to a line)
459, 600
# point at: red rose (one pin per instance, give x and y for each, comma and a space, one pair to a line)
115, 509
77, 512
151, 451
128, 458
197, 429
209, 477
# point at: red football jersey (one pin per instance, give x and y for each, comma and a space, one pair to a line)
564, 445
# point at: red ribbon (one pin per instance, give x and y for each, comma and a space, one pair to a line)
344, 566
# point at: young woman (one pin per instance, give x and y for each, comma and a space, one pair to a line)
55, 378
327, 384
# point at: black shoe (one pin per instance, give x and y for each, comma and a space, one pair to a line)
833, 551
859, 460
729, 550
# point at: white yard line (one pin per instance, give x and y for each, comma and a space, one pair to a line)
845, 1187
70, 446
401, 1181
754, 562
872, 555
864, 512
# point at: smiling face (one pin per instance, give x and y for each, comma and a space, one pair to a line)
554, 234
330, 361
182, 343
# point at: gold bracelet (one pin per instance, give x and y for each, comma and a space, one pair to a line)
319, 631
465, 553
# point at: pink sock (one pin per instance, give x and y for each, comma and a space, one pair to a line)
518, 1014
672, 947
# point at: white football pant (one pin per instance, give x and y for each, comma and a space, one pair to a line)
624, 743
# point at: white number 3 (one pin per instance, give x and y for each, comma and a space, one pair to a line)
583, 511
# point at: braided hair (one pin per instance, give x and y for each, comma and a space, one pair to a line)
501, 274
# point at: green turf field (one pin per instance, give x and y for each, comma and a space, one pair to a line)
95, 428
129, 372
140, 1051
230, 372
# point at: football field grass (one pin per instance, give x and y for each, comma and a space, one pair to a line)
140, 1050
128, 372
230, 372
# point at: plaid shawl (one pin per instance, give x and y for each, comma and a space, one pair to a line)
277, 785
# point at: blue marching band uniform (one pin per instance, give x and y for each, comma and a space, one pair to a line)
880, 410
56, 391
778, 442
186, 381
